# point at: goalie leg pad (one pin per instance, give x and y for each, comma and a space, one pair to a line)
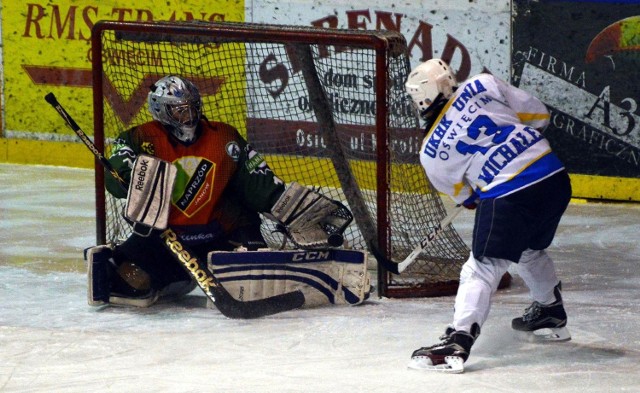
103, 272
324, 276
149, 196
99, 268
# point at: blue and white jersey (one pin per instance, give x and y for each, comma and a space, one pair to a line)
486, 142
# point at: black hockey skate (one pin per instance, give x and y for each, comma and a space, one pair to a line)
449, 355
545, 322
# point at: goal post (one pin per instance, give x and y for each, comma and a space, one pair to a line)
325, 107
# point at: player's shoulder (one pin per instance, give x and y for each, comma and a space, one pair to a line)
149, 128
483, 78
220, 126
480, 84
221, 129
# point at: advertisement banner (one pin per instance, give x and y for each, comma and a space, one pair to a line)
474, 36
48, 42
582, 59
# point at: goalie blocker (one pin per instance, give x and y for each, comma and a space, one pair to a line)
329, 276
149, 195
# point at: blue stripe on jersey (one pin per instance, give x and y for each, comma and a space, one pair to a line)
544, 167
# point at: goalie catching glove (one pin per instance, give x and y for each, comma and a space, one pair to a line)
309, 219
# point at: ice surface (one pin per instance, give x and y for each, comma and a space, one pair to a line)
52, 341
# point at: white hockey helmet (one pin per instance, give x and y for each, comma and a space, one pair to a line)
176, 103
427, 81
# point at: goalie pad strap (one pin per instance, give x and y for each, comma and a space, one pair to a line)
324, 276
149, 196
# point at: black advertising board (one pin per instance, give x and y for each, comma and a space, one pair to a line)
582, 58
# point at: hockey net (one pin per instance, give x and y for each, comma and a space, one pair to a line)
325, 107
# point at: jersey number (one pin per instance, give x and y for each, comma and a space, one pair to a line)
483, 125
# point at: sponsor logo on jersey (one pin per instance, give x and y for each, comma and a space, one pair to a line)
147, 147
233, 150
194, 185
468, 92
200, 237
255, 162
433, 143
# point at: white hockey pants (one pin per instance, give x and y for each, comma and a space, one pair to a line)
480, 280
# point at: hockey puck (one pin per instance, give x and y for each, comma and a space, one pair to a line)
335, 240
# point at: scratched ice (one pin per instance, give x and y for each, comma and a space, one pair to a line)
51, 340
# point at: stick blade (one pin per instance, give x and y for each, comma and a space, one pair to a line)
237, 309
386, 263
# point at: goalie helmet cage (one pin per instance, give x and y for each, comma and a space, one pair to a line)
325, 107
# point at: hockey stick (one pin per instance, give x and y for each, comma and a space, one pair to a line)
399, 267
210, 285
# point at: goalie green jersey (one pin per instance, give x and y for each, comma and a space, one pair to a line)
222, 183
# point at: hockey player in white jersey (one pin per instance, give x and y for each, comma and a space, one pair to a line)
484, 148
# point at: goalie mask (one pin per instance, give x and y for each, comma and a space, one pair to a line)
175, 102
428, 83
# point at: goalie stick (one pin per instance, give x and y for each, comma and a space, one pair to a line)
210, 285
399, 267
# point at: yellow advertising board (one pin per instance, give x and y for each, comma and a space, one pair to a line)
47, 48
